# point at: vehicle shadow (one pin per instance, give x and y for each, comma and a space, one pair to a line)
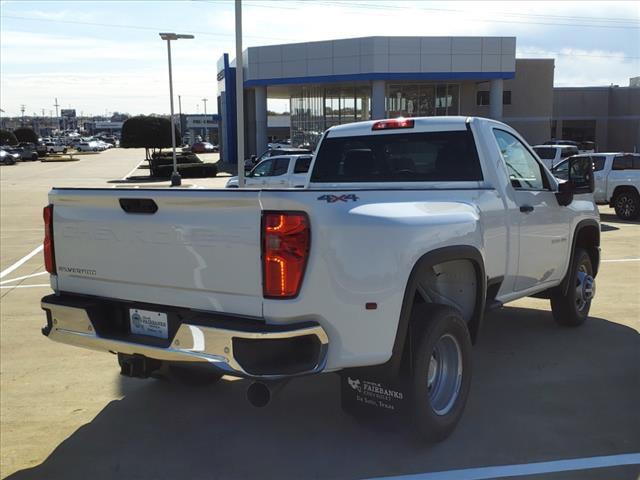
540, 392
611, 218
604, 227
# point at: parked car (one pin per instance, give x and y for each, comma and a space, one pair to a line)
583, 147
283, 171
551, 155
273, 152
89, 147
203, 147
8, 158
380, 269
280, 144
26, 152
55, 148
617, 181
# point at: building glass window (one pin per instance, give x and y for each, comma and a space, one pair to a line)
422, 100
314, 109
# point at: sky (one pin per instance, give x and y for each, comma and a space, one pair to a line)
106, 56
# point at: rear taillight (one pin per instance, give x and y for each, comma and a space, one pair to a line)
286, 237
393, 124
49, 255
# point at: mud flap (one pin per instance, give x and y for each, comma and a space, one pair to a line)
368, 394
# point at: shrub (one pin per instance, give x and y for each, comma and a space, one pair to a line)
7, 138
148, 133
26, 134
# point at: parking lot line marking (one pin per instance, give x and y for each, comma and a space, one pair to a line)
24, 259
485, 473
622, 260
135, 168
25, 286
4, 282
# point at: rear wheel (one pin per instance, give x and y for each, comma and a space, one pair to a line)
572, 309
441, 376
627, 205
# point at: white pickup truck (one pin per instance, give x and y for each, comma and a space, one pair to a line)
617, 181
282, 171
381, 268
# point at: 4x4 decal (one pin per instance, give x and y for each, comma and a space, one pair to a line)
338, 198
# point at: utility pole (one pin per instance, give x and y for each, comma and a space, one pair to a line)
204, 100
180, 114
22, 107
239, 94
57, 116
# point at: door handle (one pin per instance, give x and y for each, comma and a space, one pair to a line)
526, 208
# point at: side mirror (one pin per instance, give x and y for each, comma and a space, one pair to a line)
579, 180
580, 175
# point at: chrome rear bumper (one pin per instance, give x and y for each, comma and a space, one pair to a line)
72, 325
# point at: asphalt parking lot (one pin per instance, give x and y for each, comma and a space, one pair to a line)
540, 393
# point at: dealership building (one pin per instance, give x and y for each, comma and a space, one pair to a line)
341, 81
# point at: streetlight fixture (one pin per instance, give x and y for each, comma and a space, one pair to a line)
176, 180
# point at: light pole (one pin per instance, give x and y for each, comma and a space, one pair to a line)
204, 129
239, 94
180, 115
176, 181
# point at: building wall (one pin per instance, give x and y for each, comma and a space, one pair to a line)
380, 55
531, 108
614, 110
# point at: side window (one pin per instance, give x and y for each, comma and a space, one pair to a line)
280, 167
302, 165
263, 169
636, 162
523, 169
623, 162
598, 163
561, 170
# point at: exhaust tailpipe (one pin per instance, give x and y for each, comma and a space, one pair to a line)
259, 394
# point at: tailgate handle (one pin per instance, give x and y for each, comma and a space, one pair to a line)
138, 205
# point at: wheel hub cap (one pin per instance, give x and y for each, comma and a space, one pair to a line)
444, 374
585, 289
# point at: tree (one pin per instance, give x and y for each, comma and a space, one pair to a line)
119, 117
7, 138
26, 134
149, 133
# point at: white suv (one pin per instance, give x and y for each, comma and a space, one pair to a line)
617, 181
552, 155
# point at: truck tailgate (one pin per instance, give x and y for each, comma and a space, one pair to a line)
200, 249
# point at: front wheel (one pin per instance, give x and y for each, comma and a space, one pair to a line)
627, 205
572, 308
441, 376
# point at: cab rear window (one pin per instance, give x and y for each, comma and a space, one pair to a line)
398, 157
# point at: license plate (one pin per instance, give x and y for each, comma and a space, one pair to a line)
145, 322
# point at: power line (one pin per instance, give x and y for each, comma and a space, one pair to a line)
369, 6
130, 27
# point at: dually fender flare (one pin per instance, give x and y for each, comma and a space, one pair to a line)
589, 222
434, 257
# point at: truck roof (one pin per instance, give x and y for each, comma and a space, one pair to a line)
421, 124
